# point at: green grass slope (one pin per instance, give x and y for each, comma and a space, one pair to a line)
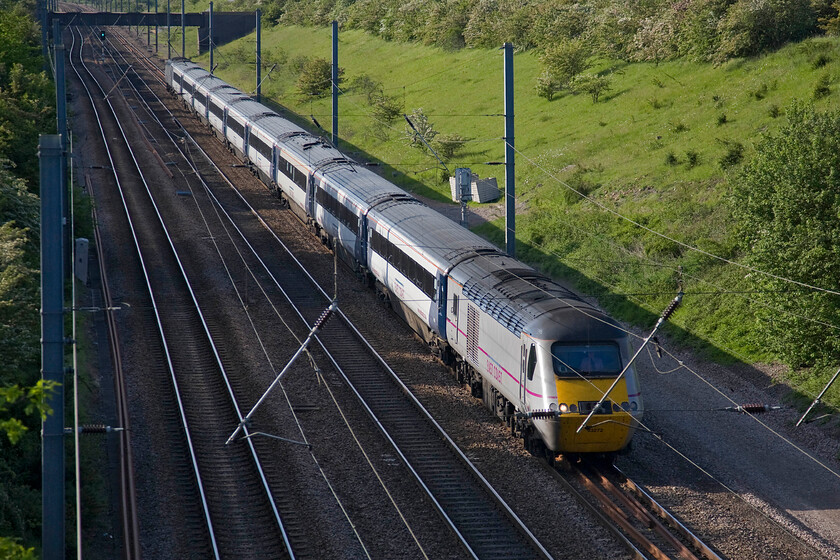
659, 151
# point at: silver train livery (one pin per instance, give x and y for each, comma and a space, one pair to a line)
539, 356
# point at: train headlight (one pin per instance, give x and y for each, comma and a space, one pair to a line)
564, 408
553, 407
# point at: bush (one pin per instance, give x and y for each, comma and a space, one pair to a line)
593, 84
367, 86
547, 85
421, 130
449, 145
733, 156
565, 60
786, 205
385, 108
315, 79
822, 88
692, 158
753, 26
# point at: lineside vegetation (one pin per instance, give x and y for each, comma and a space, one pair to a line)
652, 110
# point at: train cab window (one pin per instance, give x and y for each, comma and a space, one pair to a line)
532, 362
596, 360
455, 305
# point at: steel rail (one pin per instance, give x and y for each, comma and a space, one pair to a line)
669, 518
217, 357
128, 490
508, 512
587, 503
155, 306
634, 503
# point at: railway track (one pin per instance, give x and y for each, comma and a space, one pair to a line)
476, 514
648, 530
234, 507
128, 490
433, 459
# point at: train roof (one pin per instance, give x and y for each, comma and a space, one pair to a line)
226, 94
361, 183
439, 239
207, 82
525, 300
248, 109
276, 127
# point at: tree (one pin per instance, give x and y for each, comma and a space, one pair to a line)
562, 62
10, 550
449, 145
590, 83
787, 203
419, 130
315, 79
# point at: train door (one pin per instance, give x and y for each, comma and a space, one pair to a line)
455, 311
310, 195
527, 370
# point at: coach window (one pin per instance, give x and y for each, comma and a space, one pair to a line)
532, 362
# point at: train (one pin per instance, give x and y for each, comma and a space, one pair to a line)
537, 354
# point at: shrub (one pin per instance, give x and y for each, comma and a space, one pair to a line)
565, 60
829, 19
315, 78
367, 86
822, 87
385, 108
422, 130
547, 85
671, 159
722, 119
774, 111
760, 92
821, 60
580, 183
733, 155
590, 83
448, 145
750, 27
692, 159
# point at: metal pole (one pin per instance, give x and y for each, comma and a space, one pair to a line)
148, 27
183, 33
510, 177
52, 348
320, 322
168, 32
42, 6
156, 26
61, 113
259, 57
335, 83
819, 398
210, 36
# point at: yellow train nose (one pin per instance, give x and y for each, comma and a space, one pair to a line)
603, 433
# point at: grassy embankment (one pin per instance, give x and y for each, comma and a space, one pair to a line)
651, 149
